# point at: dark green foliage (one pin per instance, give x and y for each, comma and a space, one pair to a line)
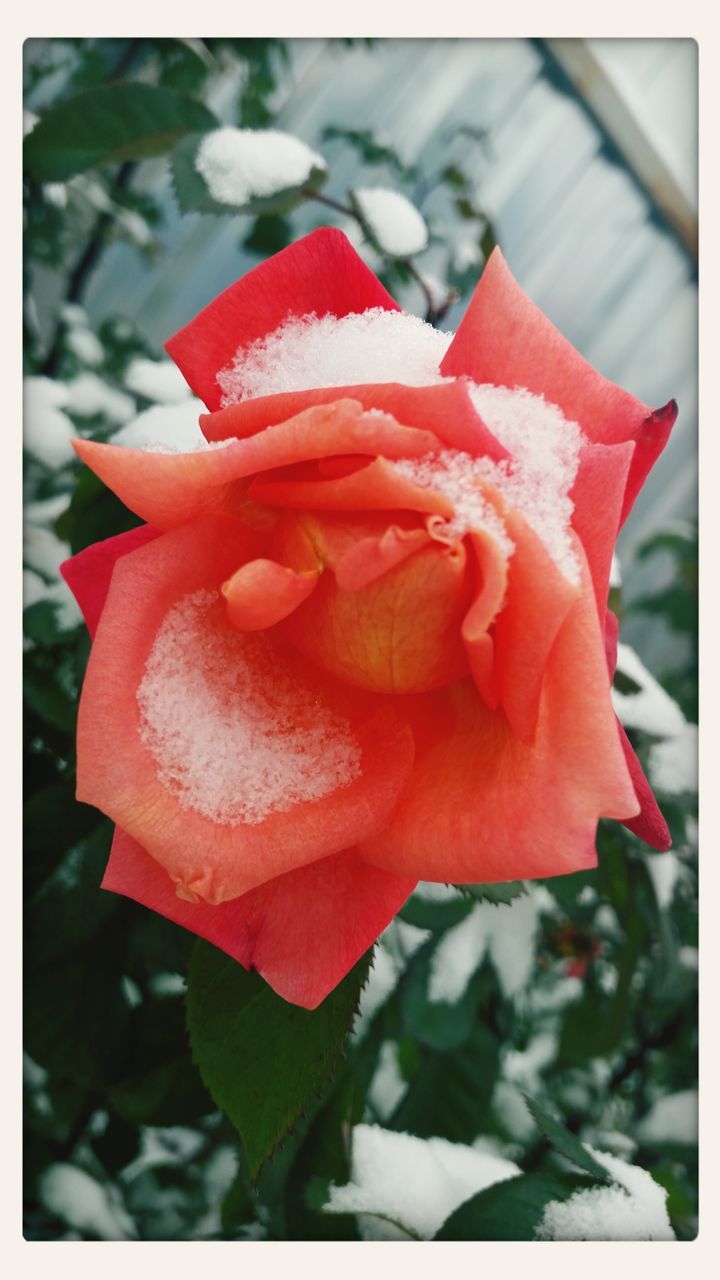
263, 1059
109, 125
510, 1210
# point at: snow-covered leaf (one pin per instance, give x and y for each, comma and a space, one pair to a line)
392, 223
254, 171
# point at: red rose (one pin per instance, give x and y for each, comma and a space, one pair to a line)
361, 640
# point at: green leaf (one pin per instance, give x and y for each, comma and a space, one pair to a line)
70, 906
110, 124
498, 894
510, 1210
436, 1023
424, 913
565, 1142
449, 1095
263, 1059
193, 194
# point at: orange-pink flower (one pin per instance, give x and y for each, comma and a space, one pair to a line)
361, 638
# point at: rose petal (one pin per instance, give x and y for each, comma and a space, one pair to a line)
538, 600
598, 497
481, 805
320, 274
373, 487
118, 773
89, 572
263, 592
170, 489
302, 931
445, 409
505, 339
397, 630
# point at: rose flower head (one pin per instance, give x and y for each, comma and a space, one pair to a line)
361, 638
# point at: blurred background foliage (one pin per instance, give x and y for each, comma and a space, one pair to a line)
582, 991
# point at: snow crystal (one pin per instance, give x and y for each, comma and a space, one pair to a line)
395, 225
388, 1085
457, 476
232, 735
165, 428
47, 430
537, 479
310, 351
73, 1195
88, 395
634, 1209
240, 165
158, 380
673, 1118
411, 1185
651, 708
673, 764
507, 932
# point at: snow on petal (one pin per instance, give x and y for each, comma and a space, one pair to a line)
363, 347
240, 165
396, 226
230, 741
633, 1208
406, 1187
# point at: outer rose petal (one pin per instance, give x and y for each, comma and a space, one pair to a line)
117, 772
505, 339
598, 495
321, 273
376, 486
482, 805
302, 931
169, 489
444, 408
649, 825
89, 572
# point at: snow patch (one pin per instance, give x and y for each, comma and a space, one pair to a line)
400, 1181
240, 165
158, 380
165, 428
506, 932
651, 708
88, 395
234, 737
673, 1118
47, 430
73, 1195
396, 226
310, 351
634, 1209
388, 1086
664, 870
673, 763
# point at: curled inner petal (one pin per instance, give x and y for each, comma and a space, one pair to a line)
263, 592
